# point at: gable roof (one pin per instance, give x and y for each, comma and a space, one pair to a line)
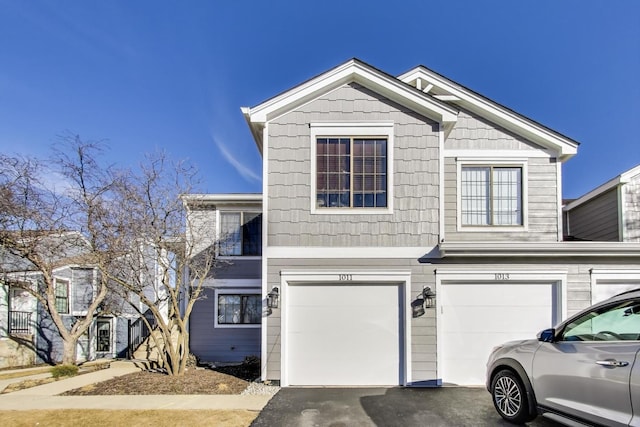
447, 90
621, 179
353, 70
420, 89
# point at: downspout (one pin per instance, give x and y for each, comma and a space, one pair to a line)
621, 220
441, 183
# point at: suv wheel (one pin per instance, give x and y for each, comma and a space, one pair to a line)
510, 397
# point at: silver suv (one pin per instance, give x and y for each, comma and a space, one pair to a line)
585, 370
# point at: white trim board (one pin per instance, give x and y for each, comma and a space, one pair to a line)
326, 252
349, 130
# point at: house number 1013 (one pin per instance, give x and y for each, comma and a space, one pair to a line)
345, 277
501, 276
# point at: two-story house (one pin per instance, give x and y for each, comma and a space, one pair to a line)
27, 332
29, 335
226, 321
410, 225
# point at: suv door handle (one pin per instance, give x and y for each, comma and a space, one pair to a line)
612, 363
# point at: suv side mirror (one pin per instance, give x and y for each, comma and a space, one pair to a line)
547, 335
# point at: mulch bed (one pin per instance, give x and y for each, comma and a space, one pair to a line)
194, 381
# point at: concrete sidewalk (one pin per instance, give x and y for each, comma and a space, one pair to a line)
46, 396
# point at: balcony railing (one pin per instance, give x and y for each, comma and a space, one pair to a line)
19, 322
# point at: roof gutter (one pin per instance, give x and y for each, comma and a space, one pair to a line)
538, 249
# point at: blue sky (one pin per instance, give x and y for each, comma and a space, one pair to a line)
173, 74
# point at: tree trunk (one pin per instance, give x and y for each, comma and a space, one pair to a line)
69, 351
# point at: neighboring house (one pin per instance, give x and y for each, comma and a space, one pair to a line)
225, 322
27, 332
610, 212
379, 191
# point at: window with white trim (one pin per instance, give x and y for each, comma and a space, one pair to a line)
240, 234
491, 195
238, 309
351, 172
61, 293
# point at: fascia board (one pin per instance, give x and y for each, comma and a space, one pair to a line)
221, 197
352, 71
497, 114
539, 249
609, 185
237, 199
255, 128
621, 179
627, 176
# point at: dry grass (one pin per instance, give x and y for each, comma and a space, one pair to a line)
151, 418
18, 374
27, 384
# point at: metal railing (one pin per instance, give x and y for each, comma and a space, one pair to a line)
19, 322
138, 331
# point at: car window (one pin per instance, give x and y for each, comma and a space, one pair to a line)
618, 322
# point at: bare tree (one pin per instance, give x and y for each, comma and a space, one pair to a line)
43, 228
131, 225
159, 265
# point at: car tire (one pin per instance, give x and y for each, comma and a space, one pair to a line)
510, 397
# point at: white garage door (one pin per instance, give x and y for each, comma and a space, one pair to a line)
343, 335
603, 291
476, 317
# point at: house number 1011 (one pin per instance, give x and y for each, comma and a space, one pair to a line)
345, 277
501, 276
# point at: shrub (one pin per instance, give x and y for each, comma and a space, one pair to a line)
64, 371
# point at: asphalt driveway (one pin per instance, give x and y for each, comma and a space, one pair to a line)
406, 407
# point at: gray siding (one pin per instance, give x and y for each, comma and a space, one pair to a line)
597, 219
542, 206
473, 132
213, 344
237, 268
201, 228
414, 221
81, 288
632, 210
423, 329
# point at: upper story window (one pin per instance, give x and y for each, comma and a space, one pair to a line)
61, 291
351, 172
491, 196
352, 167
240, 234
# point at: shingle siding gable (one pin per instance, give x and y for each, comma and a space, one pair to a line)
414, 221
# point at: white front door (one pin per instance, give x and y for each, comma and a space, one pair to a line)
343, 334
474, 318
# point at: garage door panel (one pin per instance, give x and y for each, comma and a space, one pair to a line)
343, 335
500, 294
498, 319
476, 317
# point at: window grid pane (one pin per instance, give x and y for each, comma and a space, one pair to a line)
475, 196
62, 296
506, 187
338, 185
491, 195
230, 242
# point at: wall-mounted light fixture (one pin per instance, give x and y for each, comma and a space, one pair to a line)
424, 300
273, 298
